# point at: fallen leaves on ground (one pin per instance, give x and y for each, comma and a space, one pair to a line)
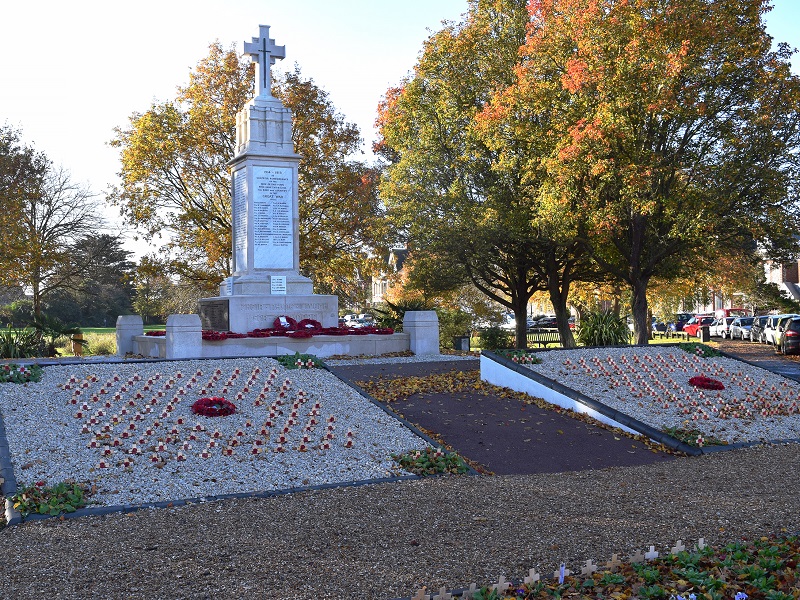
392, 390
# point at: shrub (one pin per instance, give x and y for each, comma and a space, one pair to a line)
43, 500
101, 344
431, 461
495, 338
603, 329
298, 361
452, 323
20, 374
392, 315
19, 343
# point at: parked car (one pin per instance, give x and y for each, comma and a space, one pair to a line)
721, 327
740, 328
682, 319
692, 327
757, 330
545, 323
790, 336
780, 331
771, 328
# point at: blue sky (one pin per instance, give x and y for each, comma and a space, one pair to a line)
72, 71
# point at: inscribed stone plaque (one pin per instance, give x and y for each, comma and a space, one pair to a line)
215, 315
277, 284
240, 220
273, 234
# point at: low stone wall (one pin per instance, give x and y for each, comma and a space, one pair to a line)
184, 340
322, 346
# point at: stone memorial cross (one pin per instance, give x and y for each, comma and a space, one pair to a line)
263, 52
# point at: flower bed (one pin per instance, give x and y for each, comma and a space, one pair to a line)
129, 431
654, 385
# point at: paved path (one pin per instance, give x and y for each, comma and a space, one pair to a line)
764, 356
505, 435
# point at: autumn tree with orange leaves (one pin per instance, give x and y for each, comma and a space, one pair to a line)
464, 190
175, 178
676, 129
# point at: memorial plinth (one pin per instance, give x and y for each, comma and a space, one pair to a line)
266, 281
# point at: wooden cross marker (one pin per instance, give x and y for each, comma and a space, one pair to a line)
470, 593
701, 544
421, 595
443, 595
502, 585
652, 555
614, 564
638, 557
588, 568
679, 547
532, 577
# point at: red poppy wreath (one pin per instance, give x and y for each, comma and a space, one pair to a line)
706, 383
213, 407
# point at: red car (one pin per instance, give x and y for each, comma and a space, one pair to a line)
692, 328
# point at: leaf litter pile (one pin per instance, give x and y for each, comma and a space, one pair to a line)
391, 390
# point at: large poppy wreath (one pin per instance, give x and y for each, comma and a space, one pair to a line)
284, 322
213, 407
706, 383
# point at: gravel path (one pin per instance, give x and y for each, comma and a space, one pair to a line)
387, 540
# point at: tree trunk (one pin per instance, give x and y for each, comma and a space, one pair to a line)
521, 318
558, 298
641, 327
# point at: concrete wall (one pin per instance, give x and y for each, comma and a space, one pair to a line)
184, 340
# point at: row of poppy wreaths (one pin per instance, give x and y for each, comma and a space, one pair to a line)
284, 326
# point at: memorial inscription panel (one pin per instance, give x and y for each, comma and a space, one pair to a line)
273, 234
215, 315
240, 220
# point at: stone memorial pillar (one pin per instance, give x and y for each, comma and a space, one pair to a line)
266, 281
128, 326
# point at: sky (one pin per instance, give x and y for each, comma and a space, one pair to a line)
72, 71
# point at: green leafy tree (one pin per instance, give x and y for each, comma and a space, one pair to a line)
465, 187
174, 170
22, 172
175, 177
103, 290
677, 129
342, 229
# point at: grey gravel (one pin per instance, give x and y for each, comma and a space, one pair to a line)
384, 541
657, 390
161, 458
387, 540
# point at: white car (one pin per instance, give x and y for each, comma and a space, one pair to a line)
721, 327
770, 329
740, 328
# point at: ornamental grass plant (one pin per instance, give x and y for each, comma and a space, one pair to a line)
603, 328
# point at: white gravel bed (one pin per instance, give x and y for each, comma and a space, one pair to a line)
652, 385
128, 430
398, 359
